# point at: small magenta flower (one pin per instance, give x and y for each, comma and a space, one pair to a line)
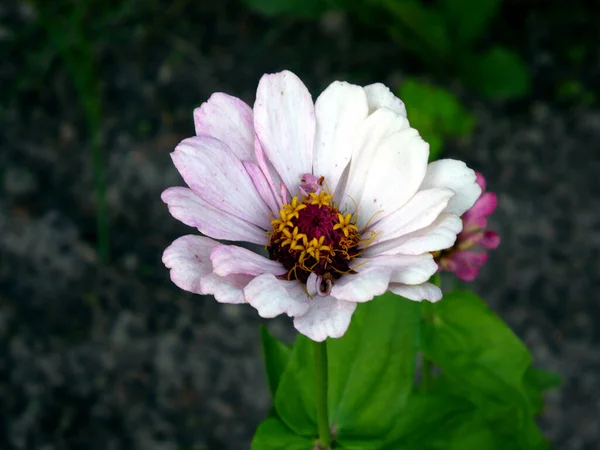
460, 259
338, 193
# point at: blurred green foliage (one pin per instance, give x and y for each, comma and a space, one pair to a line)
66, 25
435, 112
574, 92
445, 35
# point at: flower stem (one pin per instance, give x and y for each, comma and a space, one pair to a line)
320, 354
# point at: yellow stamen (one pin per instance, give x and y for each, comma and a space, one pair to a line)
293, 208
283, 222
292, 239
315, 247
345, 224
320, 200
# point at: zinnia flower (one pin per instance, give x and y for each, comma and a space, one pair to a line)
338, 193
460, 259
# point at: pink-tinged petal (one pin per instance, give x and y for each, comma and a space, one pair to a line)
380, 96
229, 289
272, 296
262, 186
189, 260
213, 172
419, 292
284, 120
310, 184
455, 175
229, 120
419, 212
190, 209
483, 207
490, 240
480, 180
271, 175
394, 176
468, 263
371, 135
465, 272
231, 259
441, 234
473, 224
362, 286
406, 269
327, 317
340, 110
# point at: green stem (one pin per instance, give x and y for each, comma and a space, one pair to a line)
320, 354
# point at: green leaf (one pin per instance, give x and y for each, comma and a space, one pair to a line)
435, 112
482, 361
272, 434
371, 368
309, 9
510, 422
295, 397
499, 74
434, 422
277, 357
536, 381
475, 348
469, 18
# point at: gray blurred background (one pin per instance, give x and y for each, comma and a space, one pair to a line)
98, 350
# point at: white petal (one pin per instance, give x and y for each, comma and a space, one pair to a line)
262, 186
327, 317
455, 175
271, 175
213, 172
420, 211
371, 135
228, 289
362, 286
190, 209
441, 234
380, 96
229, 120
340, 110
188, 257
406, 269
394, 176
272, 296
312, 284
284, 120
419, 292
231, 259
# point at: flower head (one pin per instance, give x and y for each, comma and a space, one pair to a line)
460, 258
337, 192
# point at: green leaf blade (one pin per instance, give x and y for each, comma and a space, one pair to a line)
276, 356
371, 368
272, 434
295, 396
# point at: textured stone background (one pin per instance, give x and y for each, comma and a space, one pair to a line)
95, 357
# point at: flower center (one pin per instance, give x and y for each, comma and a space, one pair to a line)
312, 236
